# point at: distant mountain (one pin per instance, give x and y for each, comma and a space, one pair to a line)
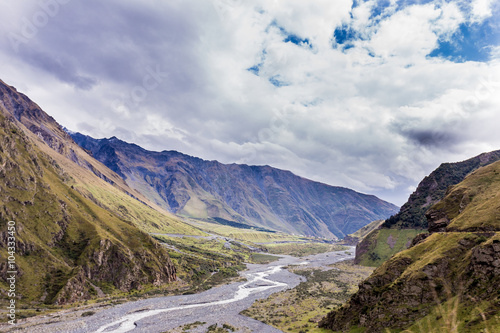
396, 233
447, 281
77, 223
255, 195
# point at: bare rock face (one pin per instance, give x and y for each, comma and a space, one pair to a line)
419, 239
124, 270
437, 220
484, 267
76, 289
363, 247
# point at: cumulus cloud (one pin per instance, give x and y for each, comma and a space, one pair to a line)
481, 9
348, 93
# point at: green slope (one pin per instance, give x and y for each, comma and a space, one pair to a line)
80, 230
382, 244
448, 281
66, 245
359, 235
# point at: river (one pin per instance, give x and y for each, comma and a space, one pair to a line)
218, 305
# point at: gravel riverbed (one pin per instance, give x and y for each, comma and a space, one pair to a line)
220, 305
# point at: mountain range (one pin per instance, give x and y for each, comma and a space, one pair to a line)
260, 196
83, 228
84, 209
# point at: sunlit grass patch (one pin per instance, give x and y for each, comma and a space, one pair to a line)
303, 249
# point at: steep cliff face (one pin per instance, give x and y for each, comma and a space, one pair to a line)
256, 195
448, 277
68, 247
411, 218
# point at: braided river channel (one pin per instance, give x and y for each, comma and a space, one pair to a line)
219, 305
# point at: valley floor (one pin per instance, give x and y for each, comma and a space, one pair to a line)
190, 313
300, 309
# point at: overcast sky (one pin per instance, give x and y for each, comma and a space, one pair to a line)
371, 95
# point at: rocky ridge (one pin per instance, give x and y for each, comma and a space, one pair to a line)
412, 215
454, 269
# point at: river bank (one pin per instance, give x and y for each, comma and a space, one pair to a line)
220, 305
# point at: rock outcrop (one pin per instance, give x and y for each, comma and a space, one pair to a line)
455, 268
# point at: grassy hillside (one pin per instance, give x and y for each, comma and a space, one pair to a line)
142, 213
68, 248
433, 188
448, 281
363, 232
474, 204
383, 244
359, 235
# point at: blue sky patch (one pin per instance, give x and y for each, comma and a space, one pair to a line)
254, 69
469, 43
297, 40
379, 9
345, 34
292, 38
275, 81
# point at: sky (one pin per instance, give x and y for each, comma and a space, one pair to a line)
370, 95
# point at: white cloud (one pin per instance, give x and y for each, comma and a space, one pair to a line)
376, 117
449, 20
407, 35
481, 9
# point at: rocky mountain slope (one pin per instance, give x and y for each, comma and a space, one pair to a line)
433, 188
396, 233
115, 196
72, 240
447, 281
256, 195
